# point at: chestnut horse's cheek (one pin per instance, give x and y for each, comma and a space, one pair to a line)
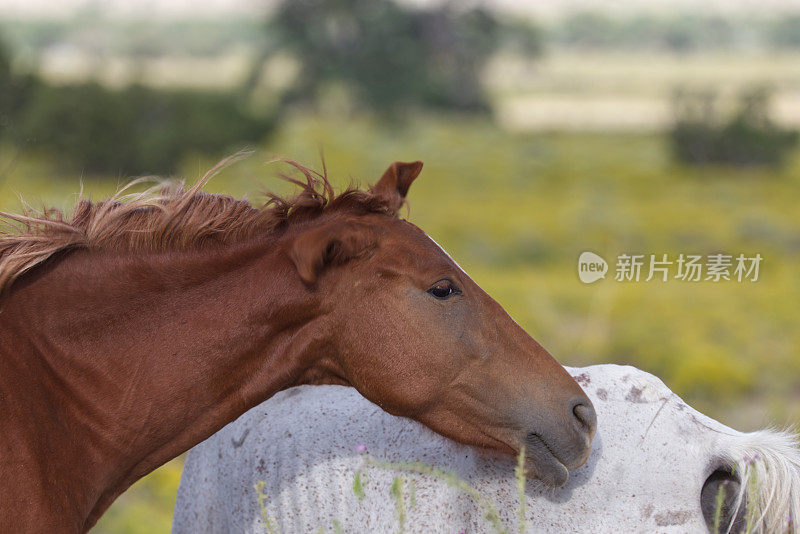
400, 390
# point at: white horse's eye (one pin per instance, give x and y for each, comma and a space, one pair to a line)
718, 500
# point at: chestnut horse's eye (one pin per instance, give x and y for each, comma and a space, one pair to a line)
444, 289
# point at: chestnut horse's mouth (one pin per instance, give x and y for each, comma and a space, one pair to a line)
542, 461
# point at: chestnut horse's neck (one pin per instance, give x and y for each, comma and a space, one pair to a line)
119, 362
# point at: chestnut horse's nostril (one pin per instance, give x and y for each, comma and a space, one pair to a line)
584, 413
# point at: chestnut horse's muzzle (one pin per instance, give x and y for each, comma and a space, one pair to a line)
554, 449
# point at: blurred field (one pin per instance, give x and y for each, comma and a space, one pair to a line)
564, 90
516, 210
632, 91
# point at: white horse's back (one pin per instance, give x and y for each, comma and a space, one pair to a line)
650, 459
308, 467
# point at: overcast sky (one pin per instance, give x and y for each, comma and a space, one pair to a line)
534, 8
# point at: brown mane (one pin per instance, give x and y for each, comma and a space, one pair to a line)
168, 216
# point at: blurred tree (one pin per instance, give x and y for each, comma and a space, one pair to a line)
786, 32
749, 137
136, 130
389, 57
15, 89
6, 84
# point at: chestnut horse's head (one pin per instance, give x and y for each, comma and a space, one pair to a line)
416, 335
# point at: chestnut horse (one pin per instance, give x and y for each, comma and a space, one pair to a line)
141, 325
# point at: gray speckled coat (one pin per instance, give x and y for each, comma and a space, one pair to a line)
650, 458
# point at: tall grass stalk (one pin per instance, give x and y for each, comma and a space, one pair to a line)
270, 523
519, 476
451, 479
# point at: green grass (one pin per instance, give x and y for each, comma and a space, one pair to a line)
516, 211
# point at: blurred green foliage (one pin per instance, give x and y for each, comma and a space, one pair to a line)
130, 131
748, 137
388, 56
15, 91
147, 509
516, 211
135, 130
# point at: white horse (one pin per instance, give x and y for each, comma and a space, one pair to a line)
657, 465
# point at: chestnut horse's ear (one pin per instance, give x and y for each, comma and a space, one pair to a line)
329, 245
394, 184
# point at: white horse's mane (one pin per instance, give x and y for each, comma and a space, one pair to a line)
768, 465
